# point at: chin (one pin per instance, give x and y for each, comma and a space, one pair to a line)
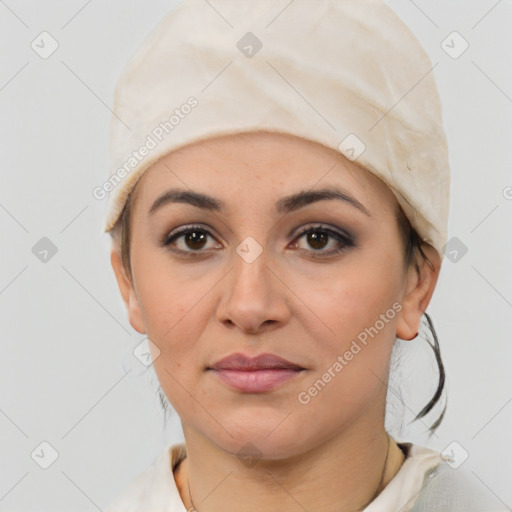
251, 444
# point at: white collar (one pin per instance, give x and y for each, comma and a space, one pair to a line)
155, 489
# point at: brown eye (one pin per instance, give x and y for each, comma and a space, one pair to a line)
188, 239
318, 238
195, 239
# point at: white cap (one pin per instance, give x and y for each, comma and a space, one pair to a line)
348, 74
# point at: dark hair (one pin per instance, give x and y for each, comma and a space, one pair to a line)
413, 247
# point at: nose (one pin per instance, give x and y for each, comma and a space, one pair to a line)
254, 296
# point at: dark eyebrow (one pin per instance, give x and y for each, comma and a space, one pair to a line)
183, 196
305, 197
284, 205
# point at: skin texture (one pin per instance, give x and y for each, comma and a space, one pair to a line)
327, 455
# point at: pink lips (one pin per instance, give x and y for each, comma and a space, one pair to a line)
255, 374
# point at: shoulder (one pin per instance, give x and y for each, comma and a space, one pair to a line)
154, 488
446, 489
427, 483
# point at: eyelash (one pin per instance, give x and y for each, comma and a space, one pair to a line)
346, 240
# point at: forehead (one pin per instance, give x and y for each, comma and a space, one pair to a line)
260, 166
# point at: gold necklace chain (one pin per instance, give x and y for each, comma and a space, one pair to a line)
193, 508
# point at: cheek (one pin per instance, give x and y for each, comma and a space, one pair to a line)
170, 308
353, 330
166, 294
360, 311
174, 317
172, 313
176, 306
346, 302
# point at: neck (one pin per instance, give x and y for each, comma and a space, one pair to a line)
345, 473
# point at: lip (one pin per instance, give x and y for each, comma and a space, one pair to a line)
255, 374
266, 361
256, 381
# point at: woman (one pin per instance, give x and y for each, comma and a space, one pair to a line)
278, 205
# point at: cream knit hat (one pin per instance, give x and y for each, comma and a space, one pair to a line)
348, 74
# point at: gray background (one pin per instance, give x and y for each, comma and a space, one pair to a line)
67, 375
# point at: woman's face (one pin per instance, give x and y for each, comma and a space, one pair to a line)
244, 279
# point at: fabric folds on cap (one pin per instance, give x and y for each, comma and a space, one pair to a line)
348, 74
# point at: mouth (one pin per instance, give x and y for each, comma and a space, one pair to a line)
256, 381
257, 374
239, 361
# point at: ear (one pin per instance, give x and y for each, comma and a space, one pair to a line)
127, 291
419, 290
